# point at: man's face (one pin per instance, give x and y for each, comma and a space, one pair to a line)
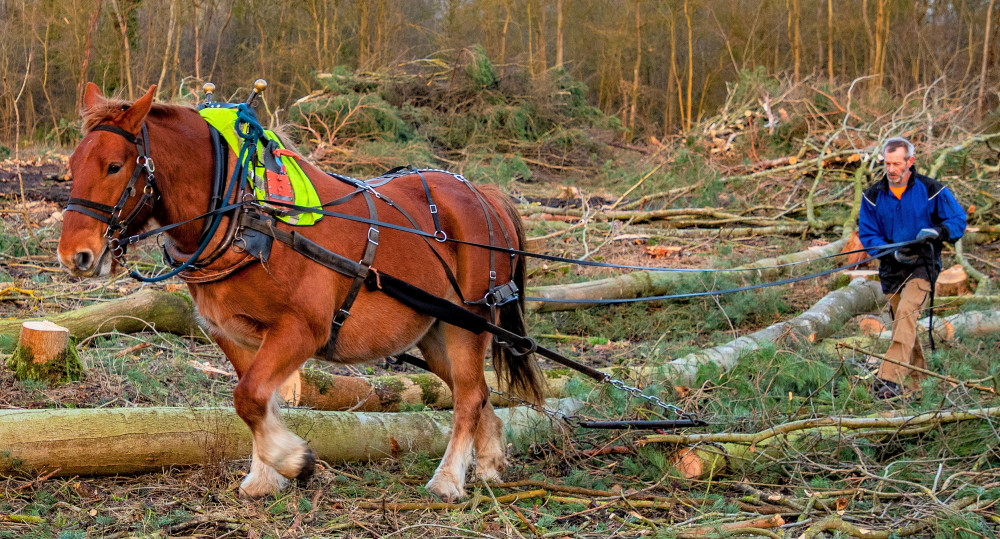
897, 166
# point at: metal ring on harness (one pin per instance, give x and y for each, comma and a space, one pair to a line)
115, 245
441, 236
146, 162
513, 347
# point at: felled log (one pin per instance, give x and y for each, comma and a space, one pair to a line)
146, 309
872, 325
319, 390
132, 440
854, 244
653, 283
953, 281
972, 323
44, 353
822, 319
713, 454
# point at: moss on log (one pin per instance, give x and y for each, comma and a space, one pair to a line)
168, 312
132, 440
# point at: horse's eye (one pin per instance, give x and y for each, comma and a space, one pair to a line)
113, 168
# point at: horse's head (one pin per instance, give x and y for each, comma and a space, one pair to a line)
111, 171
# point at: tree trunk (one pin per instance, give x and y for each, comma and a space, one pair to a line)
322, 391
147, 309
134, 440
651, 283
822, 319
742, 451
972, 323
44, 353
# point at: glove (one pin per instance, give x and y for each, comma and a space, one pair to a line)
909, 260
928, 234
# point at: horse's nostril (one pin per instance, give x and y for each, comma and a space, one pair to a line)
83, 259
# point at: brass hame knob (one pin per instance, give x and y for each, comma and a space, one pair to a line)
260, 85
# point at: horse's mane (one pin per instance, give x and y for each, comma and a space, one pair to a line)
110, 108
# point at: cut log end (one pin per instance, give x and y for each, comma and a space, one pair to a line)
44, 353
688, 463
953, 281
871, 325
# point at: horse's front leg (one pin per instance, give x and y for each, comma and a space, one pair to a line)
278, 454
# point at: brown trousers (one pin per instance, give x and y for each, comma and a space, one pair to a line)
905, 348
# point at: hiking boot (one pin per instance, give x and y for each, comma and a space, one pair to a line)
884, 389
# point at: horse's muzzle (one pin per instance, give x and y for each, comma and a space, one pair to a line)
83, 263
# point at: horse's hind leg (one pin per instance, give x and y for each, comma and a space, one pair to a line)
491, 459
457, 356
277, 453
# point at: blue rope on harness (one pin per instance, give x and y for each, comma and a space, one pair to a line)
250, 130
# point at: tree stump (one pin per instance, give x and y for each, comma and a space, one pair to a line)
44, 353
952, 282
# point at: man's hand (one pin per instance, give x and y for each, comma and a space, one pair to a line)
909, 260
928, 234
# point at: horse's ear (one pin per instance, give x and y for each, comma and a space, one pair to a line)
131, 119
91, 96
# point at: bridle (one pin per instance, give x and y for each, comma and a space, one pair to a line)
116, 224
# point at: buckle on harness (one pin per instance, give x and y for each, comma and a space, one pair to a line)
501, 295
340, 317
373, 235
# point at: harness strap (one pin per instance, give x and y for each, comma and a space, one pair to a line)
439, 234
220, 163
359, 278
118, 131
424, 302
364, 187
82, 205
113, 219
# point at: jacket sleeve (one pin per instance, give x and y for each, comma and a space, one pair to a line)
868, 229
949, 216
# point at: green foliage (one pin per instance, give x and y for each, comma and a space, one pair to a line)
753, 83
480, 70
361, 116
498, 169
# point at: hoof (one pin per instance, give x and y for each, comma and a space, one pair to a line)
490, 476
447, 491
308, 466
258, 485
490, 469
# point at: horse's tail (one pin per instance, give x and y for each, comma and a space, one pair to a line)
520, 373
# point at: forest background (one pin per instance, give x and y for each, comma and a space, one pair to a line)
658, 66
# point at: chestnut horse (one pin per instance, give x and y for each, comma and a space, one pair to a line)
270, 317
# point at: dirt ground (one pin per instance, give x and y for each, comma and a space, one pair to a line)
42, 179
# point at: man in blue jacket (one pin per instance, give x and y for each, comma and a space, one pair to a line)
905, 206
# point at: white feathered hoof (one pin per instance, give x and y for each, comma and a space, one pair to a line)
446, 488
262, 481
